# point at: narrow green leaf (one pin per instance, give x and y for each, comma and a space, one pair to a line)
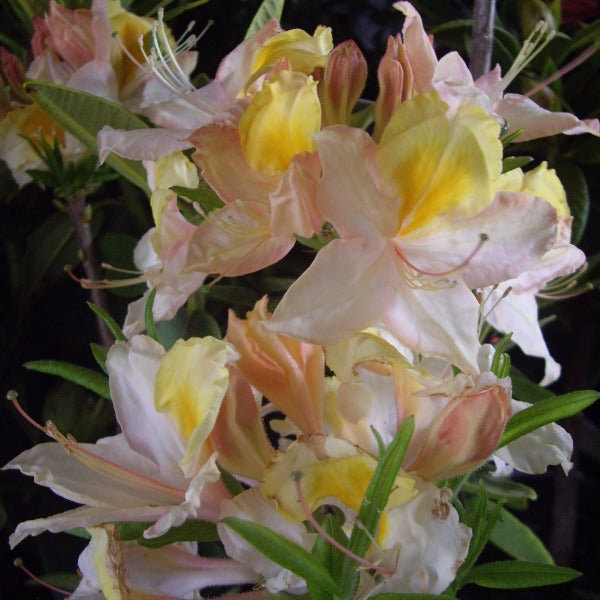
363, 118
175, 12
517, 540
269, 9
231, 483
109, 321
65, 581
327, 555
526, 390
203, 195
499, 488
515, 162
80, 375
285, 553
149, 317
99, 354
83, 115
547, 411
498, 354
373, 504
190, 531
515, 574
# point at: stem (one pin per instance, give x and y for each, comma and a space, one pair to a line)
482, 37
83, 237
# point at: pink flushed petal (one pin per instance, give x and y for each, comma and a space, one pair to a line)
348, 287
419, 48
518, 314
523, 113
294, 207
219, 156
436, 318
489, 81
519, 227
236, 240
83, 517
52, 467
175, 571
141, 144
348, 192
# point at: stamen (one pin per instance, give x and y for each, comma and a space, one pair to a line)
483, 237
563, 288
506, 292
18, 562
297, 476
103, 284
539, 38
97, 463
110, 267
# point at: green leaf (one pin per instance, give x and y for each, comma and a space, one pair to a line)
327, 554
547, 411
175, 12
65, 581
515, 162
233, 486
232, 294
80, 375
109, 321
149, 317
517, 540
373, 504
83, 115
99, 353
206, 198
516, 574
526, 390
285, 553
190, 531
363, 118
269, 9
500, 488
578, 197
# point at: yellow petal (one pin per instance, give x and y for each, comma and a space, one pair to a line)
544, 182
304, 52
190, 384
107, 555
439, 166
279, 122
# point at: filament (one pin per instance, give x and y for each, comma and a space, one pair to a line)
18, 562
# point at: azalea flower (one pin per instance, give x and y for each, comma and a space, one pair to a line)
266, 172
239, 76
451, 78
159, 468
420, 225
417, 547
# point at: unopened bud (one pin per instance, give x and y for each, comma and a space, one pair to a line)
395, 78
342, 83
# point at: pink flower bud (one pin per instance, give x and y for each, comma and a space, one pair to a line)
464, 434
70, 34
342, 83
395, 79
288, 372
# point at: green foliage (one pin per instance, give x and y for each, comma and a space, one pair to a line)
83, 115
82, 376
578, 197
190, 531
547, 411
516, 539
269, 9
149, 316
109, 321
516, 574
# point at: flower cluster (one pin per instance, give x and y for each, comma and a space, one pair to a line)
275, 440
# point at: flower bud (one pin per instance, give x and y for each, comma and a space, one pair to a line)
464, 434
288, 372
342, 83
395, 78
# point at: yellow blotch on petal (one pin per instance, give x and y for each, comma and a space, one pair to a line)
129, 27
330, 468
304, 52
190, 384
439, 166
280, 121
39, 125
